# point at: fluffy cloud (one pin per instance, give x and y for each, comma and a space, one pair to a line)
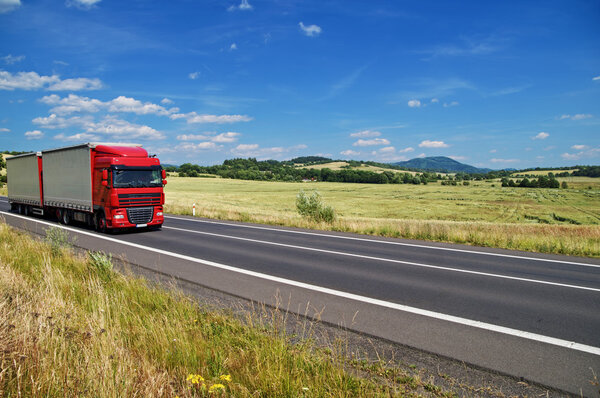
450, 104
350, 152
365, 134
9, 5
228, 137
586, 153
433, 144
578, 116
74, 103
33, 81
310, 30
193, 117
435, 100
56, 122
244, 6
192, 137
414, 103
541, 136
34, 135
201, 146
78, 84
596, 78
458, 157
4, 130
126, 104
579, 147
166, 101
406, 150
194, 75
254, 150
232, 47
10, 59
77, 137
374, 141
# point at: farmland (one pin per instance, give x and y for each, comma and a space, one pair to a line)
565, 221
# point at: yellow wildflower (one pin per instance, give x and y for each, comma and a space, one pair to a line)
195, 379
225, 377
216, 388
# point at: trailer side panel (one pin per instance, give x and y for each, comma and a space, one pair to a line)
23, 179
67, 178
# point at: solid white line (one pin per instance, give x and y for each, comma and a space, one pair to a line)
388, 260
385, 242
386, 304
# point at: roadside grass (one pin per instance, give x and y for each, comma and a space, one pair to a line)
560, 221
71, 326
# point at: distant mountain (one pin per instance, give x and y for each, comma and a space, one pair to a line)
441, 164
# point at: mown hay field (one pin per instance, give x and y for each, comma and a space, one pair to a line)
565, 221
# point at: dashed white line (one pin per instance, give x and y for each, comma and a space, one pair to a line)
387, 260
386, 242
418, 311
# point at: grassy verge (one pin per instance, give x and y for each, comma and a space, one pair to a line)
70, 326
482, 214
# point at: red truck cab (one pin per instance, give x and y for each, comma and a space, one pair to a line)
127, 188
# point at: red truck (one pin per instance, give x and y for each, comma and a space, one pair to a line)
107, 186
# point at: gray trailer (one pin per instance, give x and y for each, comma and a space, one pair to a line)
24, 190
67, 177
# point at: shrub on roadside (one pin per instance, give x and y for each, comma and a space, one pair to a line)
312, 206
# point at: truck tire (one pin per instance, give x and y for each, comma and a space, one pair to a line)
66, 217
100, 222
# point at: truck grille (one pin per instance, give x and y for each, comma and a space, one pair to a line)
139, 199
140, 215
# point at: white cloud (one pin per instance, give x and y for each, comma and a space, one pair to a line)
495, 160
244, 6
458, 157
450, 104
310, 30
435, 100
406, 150
78, 84
596, 78
541, 136
118, 128
201, 146
246, 147
232, 47
254, 150
4, 130
127, 104
82, 4
192, 137
33, 81
77, 137
374, 141
579, 116
579, 147
493, 150
56, 122
349, 152
226, 137
586, 153
193, 117
34, 135
365, 134
9, 5
387, 149
25, 80
549, 148
166, 101
414, 103
10, 59
194, 75
433, 144
421, 155
71, 104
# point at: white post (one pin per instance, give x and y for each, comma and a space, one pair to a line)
194, 210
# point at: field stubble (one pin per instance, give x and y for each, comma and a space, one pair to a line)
540, 220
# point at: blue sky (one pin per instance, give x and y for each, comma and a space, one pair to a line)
503, 84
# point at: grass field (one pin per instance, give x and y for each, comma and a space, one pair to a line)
72, 327
541, 172
565, 221
365, 167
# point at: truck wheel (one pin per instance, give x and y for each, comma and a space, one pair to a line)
101, 222
21, 209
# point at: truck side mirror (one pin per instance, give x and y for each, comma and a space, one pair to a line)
105, 174
164, 182
164, 174
104, 183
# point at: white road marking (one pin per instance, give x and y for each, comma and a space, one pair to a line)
387, 260
385, 242
386, 304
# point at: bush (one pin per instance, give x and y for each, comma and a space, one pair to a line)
313, 207
101, 263
58, 239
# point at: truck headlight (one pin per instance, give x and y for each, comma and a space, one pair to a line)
159, 213
119, 217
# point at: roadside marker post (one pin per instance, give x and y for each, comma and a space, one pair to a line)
194, 210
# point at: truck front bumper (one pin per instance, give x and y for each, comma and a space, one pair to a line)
136, 217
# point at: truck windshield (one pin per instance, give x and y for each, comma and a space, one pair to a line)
137, 178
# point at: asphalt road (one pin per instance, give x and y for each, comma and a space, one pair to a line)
526, 315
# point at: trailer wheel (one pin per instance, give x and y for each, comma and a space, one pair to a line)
21, 209
66, 217
101, 222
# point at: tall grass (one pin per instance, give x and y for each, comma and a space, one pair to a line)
70, 326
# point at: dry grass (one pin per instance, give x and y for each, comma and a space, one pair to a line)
479, 214
72, 327
365, 167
